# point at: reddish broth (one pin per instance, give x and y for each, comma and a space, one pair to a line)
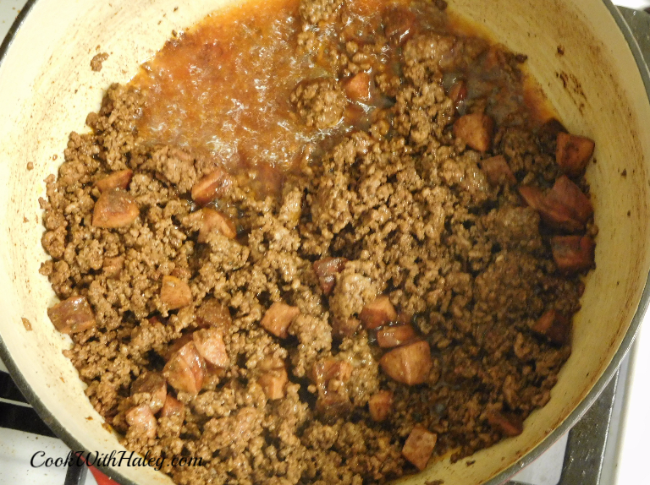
222, 89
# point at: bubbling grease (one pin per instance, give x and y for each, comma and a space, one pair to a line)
223, 88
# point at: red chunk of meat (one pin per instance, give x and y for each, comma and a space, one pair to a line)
554, 214
210, 345
573, 254
278, 317
509, 425
573, 153
142, 418
155, 385
346, 327
497, 171
569, 194
212, 313
175, 293
330, 376
554, 326
533, 196
273, 383
326, 269
476, 130
565, 207
113, 266
116, 180
177, 344
399, 24
210, 187
215, 221
115, 208
419, 446
331, 406
380, 405
378, 313
185, 370
72, 315
395, 336
274, 378
409, 364
327, 369
172, 407
404, 318
458, 93
358, 87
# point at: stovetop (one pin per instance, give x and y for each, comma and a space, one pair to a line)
605, 447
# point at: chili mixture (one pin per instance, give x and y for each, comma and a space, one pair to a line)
320, 242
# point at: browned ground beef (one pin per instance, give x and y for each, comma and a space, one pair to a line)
409, 210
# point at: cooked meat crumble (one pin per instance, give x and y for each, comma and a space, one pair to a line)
403, 290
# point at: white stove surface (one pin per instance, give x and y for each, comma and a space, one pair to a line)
626, 451
8, 11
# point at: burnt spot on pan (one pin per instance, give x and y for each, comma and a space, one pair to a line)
573, 86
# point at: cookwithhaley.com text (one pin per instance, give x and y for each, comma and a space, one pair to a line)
114, 458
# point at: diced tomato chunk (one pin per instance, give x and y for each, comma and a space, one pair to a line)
497, 171
115, 208
554, 326
476, 130
573, 254
358, 88
378, 313
326, 269
409, 364
278, 318
72, 315
212, 313
210, 345
380, 405
211, 187
509, 425
116, 180
395, 336
185, 370
573, 153
172, 407
142, 418
155, 385
175, 293
419, 446
215, 221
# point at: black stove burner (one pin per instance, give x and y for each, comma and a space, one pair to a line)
22, 417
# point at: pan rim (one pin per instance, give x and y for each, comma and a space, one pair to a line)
628, 340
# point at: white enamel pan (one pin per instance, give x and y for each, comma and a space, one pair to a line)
583, 55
